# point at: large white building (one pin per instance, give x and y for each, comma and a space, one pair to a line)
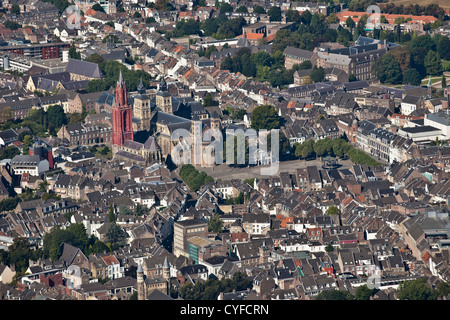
422, 134
439, 120
31, 164
410, 104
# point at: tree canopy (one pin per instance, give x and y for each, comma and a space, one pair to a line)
193, 178
111, 69
265, 117
210, 289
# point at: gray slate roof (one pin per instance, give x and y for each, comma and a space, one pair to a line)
84, 68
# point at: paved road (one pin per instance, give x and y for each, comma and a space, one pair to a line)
226, 172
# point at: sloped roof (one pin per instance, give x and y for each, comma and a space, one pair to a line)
84, 68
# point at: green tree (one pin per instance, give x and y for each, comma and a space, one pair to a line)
95, 58
56, 116
111, 38
242, 9
350, 23
432, 63
274, 13
334, 295
116, 235
265, 117
9, 152
73, 53
98, 7
332, 18
293, 16
209, 101
11, 25
193, 178
140, 210
210, 50
403, 56
329, 248
225, 7
97, 246
15, 9
111, 215
124, 210
305, 150
43, 186
317, 74
133, 296
443, 289
215, 224
9, 204
238, 114
259, 10
387, 69
423, 41
333, 210
444, 82
305, 65
150, 20
80, 237
262, 58
306, 17
364, 293
344, 37
19, 254
27, 143
442, 46
417, 289
412, 77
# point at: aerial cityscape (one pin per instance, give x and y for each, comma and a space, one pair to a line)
224, 150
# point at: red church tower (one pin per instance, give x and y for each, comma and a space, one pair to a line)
122, 114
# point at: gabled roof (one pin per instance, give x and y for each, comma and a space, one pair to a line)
84, 68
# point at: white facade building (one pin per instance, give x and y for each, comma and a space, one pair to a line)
32, 165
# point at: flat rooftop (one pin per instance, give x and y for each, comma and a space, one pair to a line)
420, 129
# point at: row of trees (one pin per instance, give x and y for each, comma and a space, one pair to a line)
311, 149
408, 290
431, 9
219, 27
194, 178
210, 289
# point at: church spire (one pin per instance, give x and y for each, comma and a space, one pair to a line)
162, 84
120, 81
140, 87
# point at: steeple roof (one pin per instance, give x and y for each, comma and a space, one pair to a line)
120, 81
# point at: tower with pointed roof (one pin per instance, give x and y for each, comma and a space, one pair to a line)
163, 97
122, 115
166, 269
140, 282
264, 253
215, 122
142, 109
